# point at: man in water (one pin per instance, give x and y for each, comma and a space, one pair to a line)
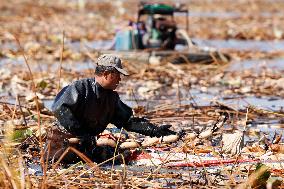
85, 108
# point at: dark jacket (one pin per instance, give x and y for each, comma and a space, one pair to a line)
86, 108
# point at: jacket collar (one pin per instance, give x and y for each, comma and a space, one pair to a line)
98, 89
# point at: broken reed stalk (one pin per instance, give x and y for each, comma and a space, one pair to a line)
42, 115
14, 113
252, 178
22, 171
184, 58
166, 160
134, 97
81, 155
203, 166
58, 88
95, 167
47, 158
87, 48
215, 60
61, 58
58, 175
178, 95
8, 174
200, 159
258, 110
270, 145
230, 175
190, 97
87, 160
237, 171
124, 168
14, 171
37, 104
115, 150
8, 103
20, 107
245, 124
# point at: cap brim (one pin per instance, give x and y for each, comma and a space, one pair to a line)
122, 71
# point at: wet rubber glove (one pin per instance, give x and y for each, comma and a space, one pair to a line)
144, 127
163, 130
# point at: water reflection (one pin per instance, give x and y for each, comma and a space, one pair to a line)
253, 45
265, 46
44, 66
257, 64
206, 99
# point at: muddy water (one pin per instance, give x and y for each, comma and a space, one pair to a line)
265, 46
200, 97
255, 64
267, 127
195, 95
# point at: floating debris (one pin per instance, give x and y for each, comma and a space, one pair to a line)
210, 151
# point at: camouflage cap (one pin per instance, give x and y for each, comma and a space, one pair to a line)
112, 61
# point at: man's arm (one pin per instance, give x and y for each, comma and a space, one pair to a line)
122, 114
123, 117
66, 101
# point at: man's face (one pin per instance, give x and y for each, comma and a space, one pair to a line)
112, 80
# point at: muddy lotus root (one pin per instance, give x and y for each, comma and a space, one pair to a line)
106, 142
129, 144
233, 142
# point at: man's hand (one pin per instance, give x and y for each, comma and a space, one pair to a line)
144, 127
163, 130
